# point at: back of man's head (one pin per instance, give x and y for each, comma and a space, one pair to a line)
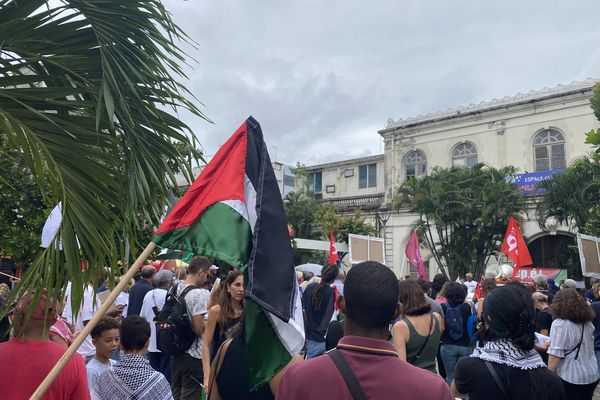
134, 332
148, 272
425, 286
371, 295
198, 263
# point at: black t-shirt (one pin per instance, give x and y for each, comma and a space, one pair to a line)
233, 378
465, 314
334, 334
317, 320
473, 378
543, 320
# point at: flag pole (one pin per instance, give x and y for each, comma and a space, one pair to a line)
90, 325
10, 276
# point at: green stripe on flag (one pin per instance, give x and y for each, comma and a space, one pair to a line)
266, 354
220, 233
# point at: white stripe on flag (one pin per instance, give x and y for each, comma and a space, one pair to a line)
291, 333
51, 226
246, 209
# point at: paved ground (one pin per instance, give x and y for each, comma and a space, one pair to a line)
597, 393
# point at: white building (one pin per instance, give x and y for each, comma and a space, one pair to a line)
539, 132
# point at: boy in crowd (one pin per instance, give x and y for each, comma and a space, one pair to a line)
105, 338
132, 377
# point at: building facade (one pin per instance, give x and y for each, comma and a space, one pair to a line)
539, 133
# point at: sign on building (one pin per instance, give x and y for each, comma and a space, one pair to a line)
527, 182
365, 248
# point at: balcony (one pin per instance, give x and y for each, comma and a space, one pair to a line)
367, 203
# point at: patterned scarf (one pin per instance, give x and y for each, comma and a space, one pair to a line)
504, 352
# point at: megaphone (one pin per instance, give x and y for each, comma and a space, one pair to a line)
493, 271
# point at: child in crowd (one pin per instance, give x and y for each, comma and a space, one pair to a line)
105, 338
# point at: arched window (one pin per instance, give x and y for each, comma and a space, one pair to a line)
415, 164
464, 155
549, 150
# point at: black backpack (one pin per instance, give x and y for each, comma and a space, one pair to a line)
174, 334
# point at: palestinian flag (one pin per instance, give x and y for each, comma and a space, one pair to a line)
233, 213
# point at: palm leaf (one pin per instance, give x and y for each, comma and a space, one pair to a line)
88, 89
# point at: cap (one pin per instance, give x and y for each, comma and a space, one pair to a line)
45, 309
213, 267
570, 284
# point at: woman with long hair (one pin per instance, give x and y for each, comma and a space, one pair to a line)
417, 335
436, 284
222, 317
505, 365
571, 353
318, 302
440, 297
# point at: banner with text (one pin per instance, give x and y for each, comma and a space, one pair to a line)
527, 182
527, 274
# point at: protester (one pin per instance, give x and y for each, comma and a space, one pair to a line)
470, 283
370, 303
568, 284
435, 307
571, 352
436, 284
543, 322
105, 338
28, 357
318, 301
593, 293
505, 365
91, 302
486, 287
417, 336
61, 332
455, 340
4, 321
187, 376
596, 309
541, 285
222, 317
230, 378
154, 301
132, 377
139, 290
180, 275
335, 331
441, 295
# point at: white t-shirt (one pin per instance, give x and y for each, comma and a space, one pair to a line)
94, 369
154, 298
123, 298
86, 312
471, 286
197, 304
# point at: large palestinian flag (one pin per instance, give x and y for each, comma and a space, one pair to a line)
233, 213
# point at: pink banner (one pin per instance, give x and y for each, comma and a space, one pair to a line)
527, 274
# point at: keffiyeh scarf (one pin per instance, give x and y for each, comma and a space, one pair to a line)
505, 352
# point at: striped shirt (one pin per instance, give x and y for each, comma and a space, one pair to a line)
564, 337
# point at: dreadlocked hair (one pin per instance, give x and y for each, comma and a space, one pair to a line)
328, 275
225, 301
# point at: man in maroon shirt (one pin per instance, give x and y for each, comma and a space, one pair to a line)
370, 303
30, 355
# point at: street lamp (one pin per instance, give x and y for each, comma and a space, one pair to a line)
383, 214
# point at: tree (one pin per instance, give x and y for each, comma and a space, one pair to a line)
88, 96
463, 213
571, 196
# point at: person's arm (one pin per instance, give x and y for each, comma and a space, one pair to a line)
274, 382
544, 332
553, 362
480, 307
440, 321
207, 339
399, 338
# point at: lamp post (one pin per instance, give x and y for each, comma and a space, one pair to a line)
383, 214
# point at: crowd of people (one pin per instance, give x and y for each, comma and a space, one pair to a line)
368, 335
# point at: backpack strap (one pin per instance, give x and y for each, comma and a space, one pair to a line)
215, 368
351, 381
497, 379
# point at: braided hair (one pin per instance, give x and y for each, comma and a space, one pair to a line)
509, 314
328, 275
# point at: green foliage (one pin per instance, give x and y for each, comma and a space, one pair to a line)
572, 195
313, 220
463, 213
22, 208
88, 94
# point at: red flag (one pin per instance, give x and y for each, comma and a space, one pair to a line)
478, 290
515, 248
413, 253
333, 255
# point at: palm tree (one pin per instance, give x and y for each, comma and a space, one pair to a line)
88, 94
463, 213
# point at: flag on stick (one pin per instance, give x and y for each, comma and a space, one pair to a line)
233, 213
514, 246
413, 254
333, 254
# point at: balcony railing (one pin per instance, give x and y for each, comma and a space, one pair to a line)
369, 202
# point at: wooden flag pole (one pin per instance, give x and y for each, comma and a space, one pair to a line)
10, 276
90, 325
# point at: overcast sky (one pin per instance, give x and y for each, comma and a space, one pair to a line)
322, 77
